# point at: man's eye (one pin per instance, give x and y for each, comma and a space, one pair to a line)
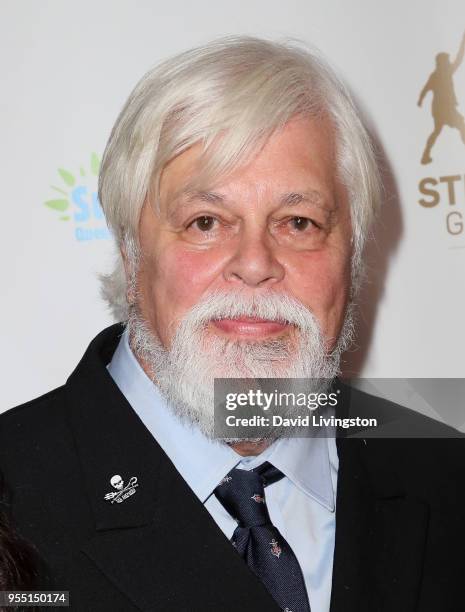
300, 223
204, 223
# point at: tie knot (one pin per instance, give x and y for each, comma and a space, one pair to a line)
242, 493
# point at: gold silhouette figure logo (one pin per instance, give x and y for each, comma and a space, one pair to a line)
444, 104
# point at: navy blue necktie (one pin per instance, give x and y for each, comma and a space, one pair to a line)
256, 539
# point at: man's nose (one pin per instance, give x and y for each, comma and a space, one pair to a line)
254, 263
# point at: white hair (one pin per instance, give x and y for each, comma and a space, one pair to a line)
242, 89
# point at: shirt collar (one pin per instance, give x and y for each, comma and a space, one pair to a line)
203, 462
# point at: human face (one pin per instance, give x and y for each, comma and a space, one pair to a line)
280, 224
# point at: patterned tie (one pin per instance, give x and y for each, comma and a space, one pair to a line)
257, 540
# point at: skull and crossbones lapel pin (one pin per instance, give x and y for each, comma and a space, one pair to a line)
122, 491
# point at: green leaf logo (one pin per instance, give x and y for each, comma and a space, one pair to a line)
67, 177
94, 164
60, 205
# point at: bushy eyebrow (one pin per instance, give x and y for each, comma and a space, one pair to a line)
184, 199
294, 198
205, 196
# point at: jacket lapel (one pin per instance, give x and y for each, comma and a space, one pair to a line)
178, 561
160, 543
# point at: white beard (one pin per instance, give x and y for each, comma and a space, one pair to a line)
185, 373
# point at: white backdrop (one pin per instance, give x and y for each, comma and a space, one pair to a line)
66, 70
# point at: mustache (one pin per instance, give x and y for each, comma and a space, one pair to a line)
272, 306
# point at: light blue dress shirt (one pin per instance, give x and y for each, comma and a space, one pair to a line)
301, 505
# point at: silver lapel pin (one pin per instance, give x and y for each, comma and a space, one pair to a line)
122, 491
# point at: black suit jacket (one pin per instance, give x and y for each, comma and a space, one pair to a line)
400, 535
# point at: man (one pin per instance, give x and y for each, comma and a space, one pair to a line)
240, 184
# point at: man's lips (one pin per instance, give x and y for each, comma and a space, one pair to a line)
250, 326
